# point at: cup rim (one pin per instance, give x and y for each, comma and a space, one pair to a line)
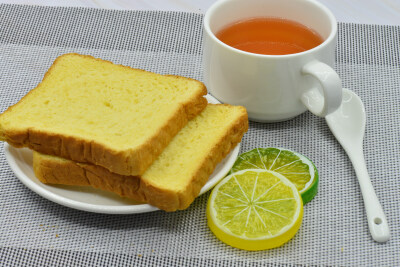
330, 38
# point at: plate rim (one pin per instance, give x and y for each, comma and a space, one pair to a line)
107, 209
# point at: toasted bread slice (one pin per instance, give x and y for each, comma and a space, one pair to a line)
91, 110
174, 180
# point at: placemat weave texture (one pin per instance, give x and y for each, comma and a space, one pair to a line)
37, 232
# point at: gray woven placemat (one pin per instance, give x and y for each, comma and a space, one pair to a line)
35, 231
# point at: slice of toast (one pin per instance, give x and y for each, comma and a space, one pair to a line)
174, 180
91, 110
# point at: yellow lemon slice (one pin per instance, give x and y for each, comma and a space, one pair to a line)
255, 210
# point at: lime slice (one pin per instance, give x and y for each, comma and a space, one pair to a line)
255, 210
297, 168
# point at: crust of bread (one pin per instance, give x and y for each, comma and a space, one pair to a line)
132, 161
54, 170
170, 200
59, 171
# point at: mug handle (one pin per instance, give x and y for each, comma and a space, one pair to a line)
322, 104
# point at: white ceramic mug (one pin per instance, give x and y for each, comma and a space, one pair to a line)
272, 87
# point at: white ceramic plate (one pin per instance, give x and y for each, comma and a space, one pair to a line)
90, 199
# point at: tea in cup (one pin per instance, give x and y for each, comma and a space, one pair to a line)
269, 36
273, 57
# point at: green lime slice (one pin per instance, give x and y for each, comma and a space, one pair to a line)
300, 170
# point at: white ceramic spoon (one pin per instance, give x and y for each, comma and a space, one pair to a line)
348, 126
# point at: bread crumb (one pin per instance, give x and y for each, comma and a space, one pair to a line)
139, 255
57, 235
152, 250
342, 249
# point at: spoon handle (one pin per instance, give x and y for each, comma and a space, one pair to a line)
377, 222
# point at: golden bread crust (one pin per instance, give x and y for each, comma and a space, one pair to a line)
53, 170
169, 200
136, 188
131, 161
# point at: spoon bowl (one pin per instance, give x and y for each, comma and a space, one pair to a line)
347, 124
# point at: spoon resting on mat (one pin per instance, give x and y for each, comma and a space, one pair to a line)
347, 124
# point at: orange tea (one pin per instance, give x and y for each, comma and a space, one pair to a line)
270, 36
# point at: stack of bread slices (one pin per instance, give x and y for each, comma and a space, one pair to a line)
148, 137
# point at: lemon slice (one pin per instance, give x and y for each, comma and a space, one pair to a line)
297, 168
255, 210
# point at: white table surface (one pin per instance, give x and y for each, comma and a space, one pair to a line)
384, 12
